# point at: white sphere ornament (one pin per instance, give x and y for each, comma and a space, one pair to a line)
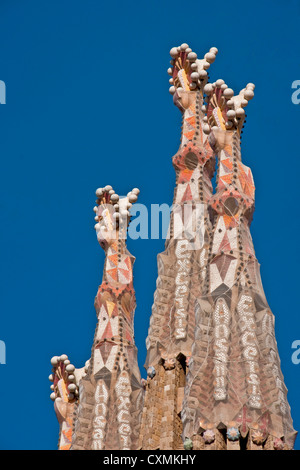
54, 360
248, 94
208, 89
214, 50
210, 57
132, 198
114, 197
206, 129
231, 113
228, 93
192, 56
195, 76
172, 89
240, 112
174, 52
202, 73
184, 46
53, 396
219, 82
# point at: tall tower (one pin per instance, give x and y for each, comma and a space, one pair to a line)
182, 266
99, 406
214, 376
235, 396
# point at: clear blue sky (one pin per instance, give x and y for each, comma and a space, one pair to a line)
88, 105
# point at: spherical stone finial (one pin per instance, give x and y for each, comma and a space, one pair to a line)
206, 128
202, 73
132, 198
228, 124
54, 360
248, 94
240, 112
195, 76
210, 57
228, 93
99, 192
231, 113
174, 52
208, 89
192, 56
184, 46
219, 82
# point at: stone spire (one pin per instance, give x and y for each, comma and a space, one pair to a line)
182, 266
235, 396
99, 406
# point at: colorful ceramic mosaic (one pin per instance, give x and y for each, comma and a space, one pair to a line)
107, 410
234, 374
213, 371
